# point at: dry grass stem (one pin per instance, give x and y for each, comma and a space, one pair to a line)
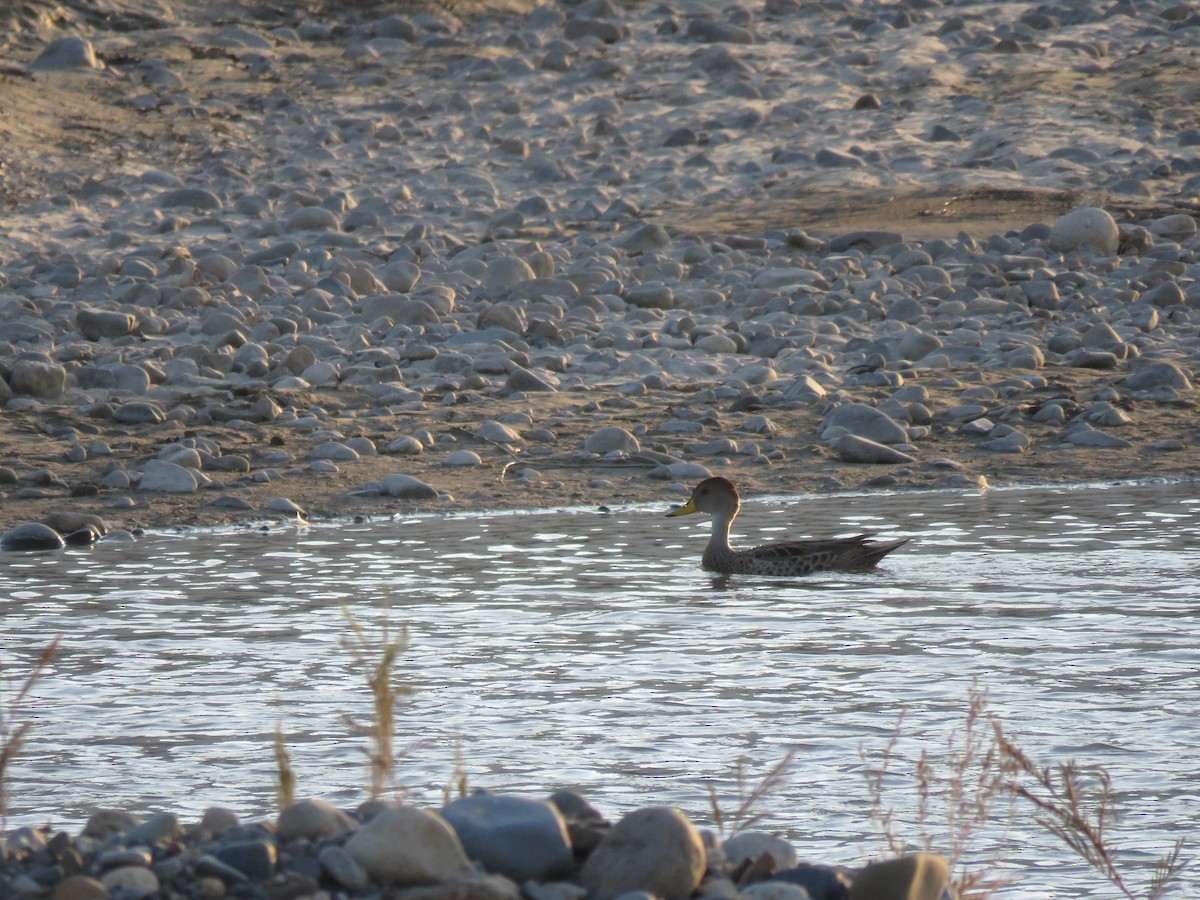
458, 785
285, 775
953, 802
985, 768
13, 729
1075, 804
748, 795
376, 658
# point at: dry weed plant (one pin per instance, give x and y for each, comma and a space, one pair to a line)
985, 768
285, 775
376, 658
954, 802
748, 795
13, 729
1075, 804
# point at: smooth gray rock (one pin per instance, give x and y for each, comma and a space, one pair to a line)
746, 845
775, 890
521, 379
312, 819
254, 859
343, 868
165, 477
653, 849
31, 536
498, 433
1089, 229
66, 53
865, 422
409, 846
611, 439
463, 458
335, 450
139, 412
515, 836
1089, 437
96, 324
160, 827
192, 198
1158, 375
38, 379
853, 448
407, 488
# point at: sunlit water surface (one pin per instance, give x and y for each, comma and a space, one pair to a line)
586, 649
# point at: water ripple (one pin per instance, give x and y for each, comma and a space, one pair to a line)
575, 649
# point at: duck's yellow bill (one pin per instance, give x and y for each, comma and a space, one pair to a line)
686, 509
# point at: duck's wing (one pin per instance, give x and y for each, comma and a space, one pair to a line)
858, 552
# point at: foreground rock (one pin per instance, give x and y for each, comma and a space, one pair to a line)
493, 847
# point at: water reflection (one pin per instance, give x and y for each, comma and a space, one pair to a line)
571, 648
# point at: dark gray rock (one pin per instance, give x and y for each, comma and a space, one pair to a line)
31, 536
511, 835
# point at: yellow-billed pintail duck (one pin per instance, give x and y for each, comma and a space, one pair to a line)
719, 498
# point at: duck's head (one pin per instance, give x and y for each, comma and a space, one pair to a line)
715, 496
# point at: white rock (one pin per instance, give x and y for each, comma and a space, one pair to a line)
505, 272
1089, 229
165, 477
333, 450
501, 434
463, 458
66, 53
611, 439
406, 445
286, 506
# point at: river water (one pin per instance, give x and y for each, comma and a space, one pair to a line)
585, 648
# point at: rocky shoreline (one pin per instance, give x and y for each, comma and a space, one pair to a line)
478, 847
268, 264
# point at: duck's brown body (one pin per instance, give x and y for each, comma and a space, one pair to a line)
719, 498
